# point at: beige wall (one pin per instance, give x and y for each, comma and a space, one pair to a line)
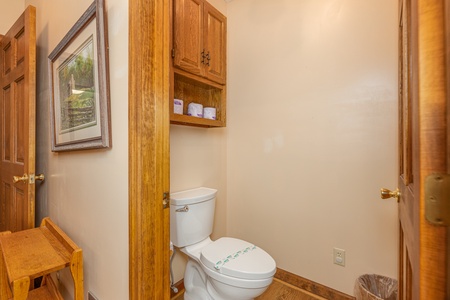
312, 134
9, 12
86, 192
198, 158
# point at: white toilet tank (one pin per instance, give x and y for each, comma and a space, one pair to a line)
191, 215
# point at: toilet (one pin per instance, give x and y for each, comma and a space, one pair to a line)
225, 269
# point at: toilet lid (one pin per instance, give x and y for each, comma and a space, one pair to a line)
238, 258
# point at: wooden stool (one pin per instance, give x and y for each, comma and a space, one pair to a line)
37, 252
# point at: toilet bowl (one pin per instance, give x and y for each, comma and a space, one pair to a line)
225, 269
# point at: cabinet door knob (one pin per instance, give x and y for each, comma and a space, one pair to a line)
203, 56
208, 58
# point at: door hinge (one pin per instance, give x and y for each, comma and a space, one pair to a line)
173, 52
437, 199
166, 200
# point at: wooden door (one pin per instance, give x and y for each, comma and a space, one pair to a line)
17, 123
188, 36
215, 25
423, 148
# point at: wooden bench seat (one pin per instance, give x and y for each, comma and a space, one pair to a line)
37, 252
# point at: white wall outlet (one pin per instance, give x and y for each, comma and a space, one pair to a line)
339, 256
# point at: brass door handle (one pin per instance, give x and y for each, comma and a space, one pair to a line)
24, 178
386, 194
31, 178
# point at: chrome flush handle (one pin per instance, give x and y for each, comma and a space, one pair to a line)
184, 209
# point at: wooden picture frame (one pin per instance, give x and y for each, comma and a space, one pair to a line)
79, 85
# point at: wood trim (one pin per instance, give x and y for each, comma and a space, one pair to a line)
293, 280
30, 111
148, 123
180, 286
410, 194
447, 45
311, 286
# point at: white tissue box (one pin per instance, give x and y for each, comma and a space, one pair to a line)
195, 110
209, 113
178, 106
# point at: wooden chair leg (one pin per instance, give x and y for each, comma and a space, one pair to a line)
20, 288
5, 290
76, 269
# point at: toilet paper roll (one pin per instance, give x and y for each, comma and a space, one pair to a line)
195, 110
209, 113
178, 106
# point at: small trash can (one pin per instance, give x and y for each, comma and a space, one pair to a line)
375, 287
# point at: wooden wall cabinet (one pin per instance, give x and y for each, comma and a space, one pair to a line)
199, 61
199, 44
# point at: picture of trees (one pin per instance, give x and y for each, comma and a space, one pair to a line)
77, 89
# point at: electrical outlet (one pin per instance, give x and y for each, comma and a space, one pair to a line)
339, 256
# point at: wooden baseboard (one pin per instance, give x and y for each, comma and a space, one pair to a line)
294, 280
311, 286
180, 286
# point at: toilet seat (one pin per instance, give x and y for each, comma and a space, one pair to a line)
238, 259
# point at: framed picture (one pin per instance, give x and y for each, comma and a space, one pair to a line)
79, 85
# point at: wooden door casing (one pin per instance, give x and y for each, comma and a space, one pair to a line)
447, 37
17, 119
432, 132
148, 131
423, 150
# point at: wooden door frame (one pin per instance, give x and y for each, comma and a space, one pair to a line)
447, 42
148, 129
431, 96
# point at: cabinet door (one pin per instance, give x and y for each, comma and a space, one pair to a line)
215, 44
188, 35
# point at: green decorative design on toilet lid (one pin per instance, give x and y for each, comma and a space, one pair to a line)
233, 256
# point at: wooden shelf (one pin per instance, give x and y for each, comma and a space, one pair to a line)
46, 292
189, 88
196, 80
193, 121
